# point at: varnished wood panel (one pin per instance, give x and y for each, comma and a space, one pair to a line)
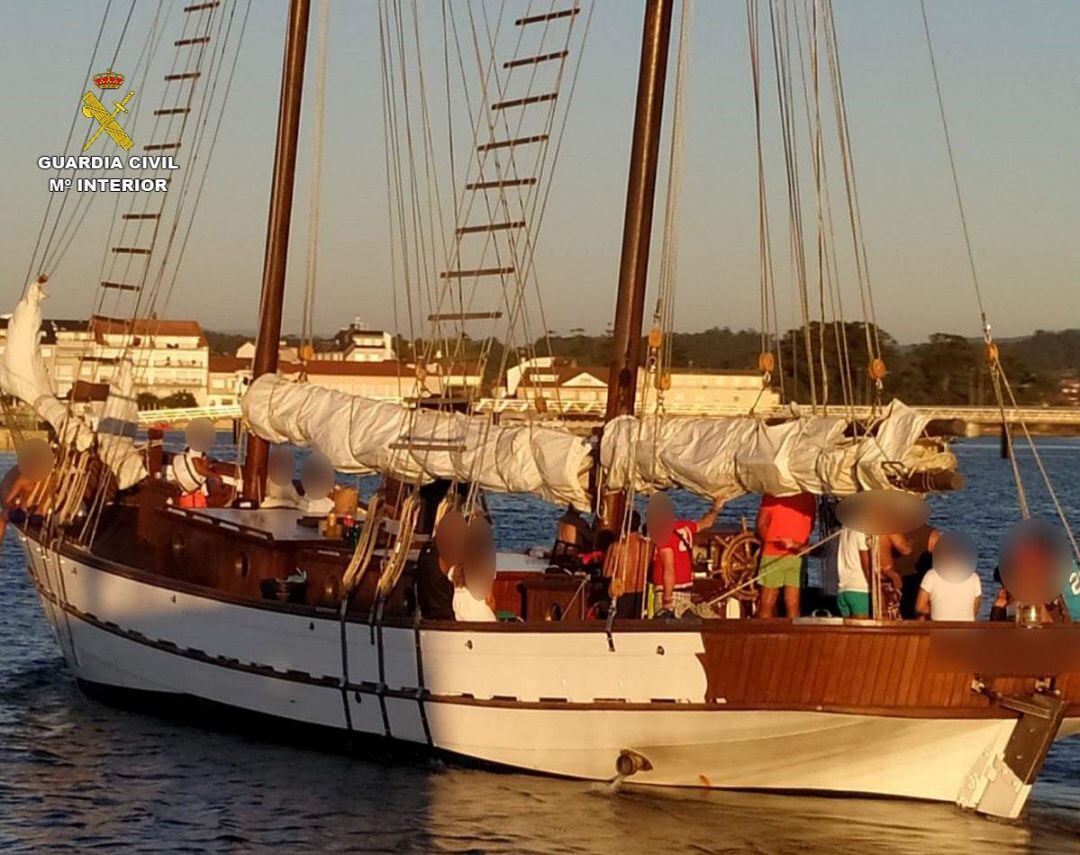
845, 668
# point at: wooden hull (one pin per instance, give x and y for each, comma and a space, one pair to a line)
730, 704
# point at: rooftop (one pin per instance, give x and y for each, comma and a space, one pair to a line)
102, 326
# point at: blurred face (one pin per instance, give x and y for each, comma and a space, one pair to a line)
35, 459
1034, 562
479, 558
450, 537
317, 476
200, 435
660, 518
281, 466
955, 556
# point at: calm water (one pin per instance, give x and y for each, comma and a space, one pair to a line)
75, 774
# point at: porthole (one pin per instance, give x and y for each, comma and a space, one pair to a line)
178, 547
240, 565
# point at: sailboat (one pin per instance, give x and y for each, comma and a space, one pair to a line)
152, 600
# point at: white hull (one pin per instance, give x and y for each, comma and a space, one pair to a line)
559, 703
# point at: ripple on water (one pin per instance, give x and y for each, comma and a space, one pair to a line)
76, 774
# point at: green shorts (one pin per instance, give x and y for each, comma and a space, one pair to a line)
781, 571
853, 604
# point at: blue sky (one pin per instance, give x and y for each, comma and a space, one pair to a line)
1010, 73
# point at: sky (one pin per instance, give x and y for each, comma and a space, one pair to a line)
1010, 74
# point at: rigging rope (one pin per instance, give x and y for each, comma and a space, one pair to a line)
30, 271
770, 332
307, 344
785, 97
998, 375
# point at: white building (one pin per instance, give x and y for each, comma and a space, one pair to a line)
168, 356
356, 343
228, 376
286, 352
577, 388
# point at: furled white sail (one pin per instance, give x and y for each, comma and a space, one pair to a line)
725, 457
23, 373
363, 435
117, 428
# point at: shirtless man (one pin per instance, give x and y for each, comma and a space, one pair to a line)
34, 464
16, 490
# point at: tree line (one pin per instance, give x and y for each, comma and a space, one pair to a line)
945, 369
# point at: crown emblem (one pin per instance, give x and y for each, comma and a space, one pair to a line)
109, 79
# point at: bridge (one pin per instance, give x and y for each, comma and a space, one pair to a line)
183, 415
586, 414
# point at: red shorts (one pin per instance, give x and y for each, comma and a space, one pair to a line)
192, 500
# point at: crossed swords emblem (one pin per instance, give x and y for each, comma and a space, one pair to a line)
94, 109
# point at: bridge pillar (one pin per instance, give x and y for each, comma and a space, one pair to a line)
1006, 442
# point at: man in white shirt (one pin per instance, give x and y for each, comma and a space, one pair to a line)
951, 590
853, 570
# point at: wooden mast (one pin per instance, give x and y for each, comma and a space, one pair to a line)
637, 224
277, 227
637, 231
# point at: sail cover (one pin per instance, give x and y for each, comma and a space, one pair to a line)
365, 435
725, 457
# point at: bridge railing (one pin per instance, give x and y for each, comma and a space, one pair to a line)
180, 415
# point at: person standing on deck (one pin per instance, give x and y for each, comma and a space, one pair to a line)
853, 567
951, 589
437, 562
912, 557
673, 553
784, 524
1071, 594
191, 470
15, 491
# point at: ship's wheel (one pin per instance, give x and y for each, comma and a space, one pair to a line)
739, 564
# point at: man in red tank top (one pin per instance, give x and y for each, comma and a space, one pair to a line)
673, 558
